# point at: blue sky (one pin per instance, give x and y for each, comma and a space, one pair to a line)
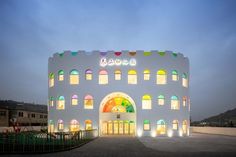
203, 30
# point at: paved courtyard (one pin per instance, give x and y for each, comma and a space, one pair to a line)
196, 145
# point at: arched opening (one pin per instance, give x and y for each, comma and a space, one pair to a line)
88, 125
184, 127
117, 115
161, 127
74, 125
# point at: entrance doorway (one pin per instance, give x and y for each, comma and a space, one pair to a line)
118, 127
117, 115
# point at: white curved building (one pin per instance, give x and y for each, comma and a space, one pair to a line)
119, 93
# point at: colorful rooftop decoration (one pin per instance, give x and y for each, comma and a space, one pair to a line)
147, 53
174, 54
132, 53
118, 104
161, 53
117, 53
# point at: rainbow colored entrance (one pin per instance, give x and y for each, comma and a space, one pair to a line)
118, 104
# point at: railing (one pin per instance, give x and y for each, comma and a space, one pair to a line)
39, 142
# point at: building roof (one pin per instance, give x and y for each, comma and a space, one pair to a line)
14, 105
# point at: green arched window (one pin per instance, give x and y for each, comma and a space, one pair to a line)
175, 76
74, 77
60, 75
161, 100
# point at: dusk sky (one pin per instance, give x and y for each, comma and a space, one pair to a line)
203, 30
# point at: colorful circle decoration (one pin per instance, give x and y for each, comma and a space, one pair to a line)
118, 104
132, 53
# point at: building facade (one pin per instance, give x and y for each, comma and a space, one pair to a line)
119, 93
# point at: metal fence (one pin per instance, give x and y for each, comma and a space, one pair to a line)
39, 142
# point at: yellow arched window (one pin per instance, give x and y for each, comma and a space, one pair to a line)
51, 80
60, 75
174, 103
88, 74
175, 125
74, 77
161, 77
146, 102
185, 127
146, 125
161, 127
132, 77
175, 75
185, 80
88, 125
103, 77
161, 100
51, 101
74, 100
184, 101
61, 103
146, 74
51, 126
60, 125
117, 74
74, 125
88, 102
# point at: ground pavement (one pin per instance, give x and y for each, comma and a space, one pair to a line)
121, 146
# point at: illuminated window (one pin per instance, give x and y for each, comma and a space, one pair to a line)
60, 125
88, 125
88, 74
185, 127
161, 127
184, 101
161, 77
175, 125
51, 80
61, 103
51, 101
74, 125
74, 77
184, 80
117, 75
146, 74
175, 76
51, 126
103, 77
161, 100
74, 100
88, 102
60, 75
174, 103
132, 77
146, 125
146, 102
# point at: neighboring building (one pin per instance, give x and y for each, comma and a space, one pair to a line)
22, 114
122, 93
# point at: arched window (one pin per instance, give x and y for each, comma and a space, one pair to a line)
175, 76
161, 100
146, 102
174, 103
132, 77
161, 127
60, 125
184, 101
74, 125
146, 125
74, 100
74, 77
161, 77
146, 74
51, 126
117, 74
60, 75
51, 80
88, 102
88, 125
185, 128
61, 103
88, 74
185, 80
103, 77
51, 101
175, 125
